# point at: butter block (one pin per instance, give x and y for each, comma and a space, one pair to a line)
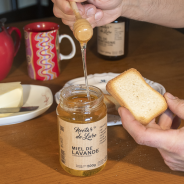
11, 94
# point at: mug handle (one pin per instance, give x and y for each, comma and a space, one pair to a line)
72, 54
17, 39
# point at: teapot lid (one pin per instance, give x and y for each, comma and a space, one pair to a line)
2, 21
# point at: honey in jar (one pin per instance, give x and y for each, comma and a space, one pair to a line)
82, 129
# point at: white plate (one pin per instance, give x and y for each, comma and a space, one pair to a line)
33, 95
100, 81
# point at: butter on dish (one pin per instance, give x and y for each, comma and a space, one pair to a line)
11, 95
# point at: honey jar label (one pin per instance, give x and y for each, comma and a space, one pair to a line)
83, 146
111, 39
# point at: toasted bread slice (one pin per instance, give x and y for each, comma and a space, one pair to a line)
132, 92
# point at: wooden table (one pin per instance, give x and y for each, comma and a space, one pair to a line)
29, 150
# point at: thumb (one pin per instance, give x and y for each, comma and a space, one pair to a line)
175, 104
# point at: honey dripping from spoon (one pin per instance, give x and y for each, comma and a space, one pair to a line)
83, 32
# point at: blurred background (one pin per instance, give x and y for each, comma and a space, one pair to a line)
21, 10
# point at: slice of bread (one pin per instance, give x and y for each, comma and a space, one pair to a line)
132, 92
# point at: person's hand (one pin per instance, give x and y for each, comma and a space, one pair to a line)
165, 136
106, 12
101, 12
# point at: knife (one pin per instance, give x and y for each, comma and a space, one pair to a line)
18, 109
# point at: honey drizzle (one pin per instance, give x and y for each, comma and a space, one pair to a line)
83, 52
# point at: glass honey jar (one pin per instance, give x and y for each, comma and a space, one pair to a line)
82, 129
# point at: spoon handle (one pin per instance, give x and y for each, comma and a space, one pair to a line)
75, 9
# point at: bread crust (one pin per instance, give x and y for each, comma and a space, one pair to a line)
111, 89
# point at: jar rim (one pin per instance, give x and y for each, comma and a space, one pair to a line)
68, 91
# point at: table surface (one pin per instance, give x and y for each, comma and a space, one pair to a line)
29, 150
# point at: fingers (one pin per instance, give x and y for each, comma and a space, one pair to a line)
58, 13
64, 6
79, 1
175, 104
166, 120
129, 122
88, 11
66, 19
106, 4
91, 13
106, 12
153, 124
150, 135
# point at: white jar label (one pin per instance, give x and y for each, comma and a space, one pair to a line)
111, 39
83, 146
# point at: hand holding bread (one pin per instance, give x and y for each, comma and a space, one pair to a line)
141, 104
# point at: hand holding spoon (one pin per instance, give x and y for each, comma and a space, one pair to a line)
82, 28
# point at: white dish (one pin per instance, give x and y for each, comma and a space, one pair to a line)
33, 95
100, 81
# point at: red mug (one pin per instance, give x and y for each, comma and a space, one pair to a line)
8, 49
42, 50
